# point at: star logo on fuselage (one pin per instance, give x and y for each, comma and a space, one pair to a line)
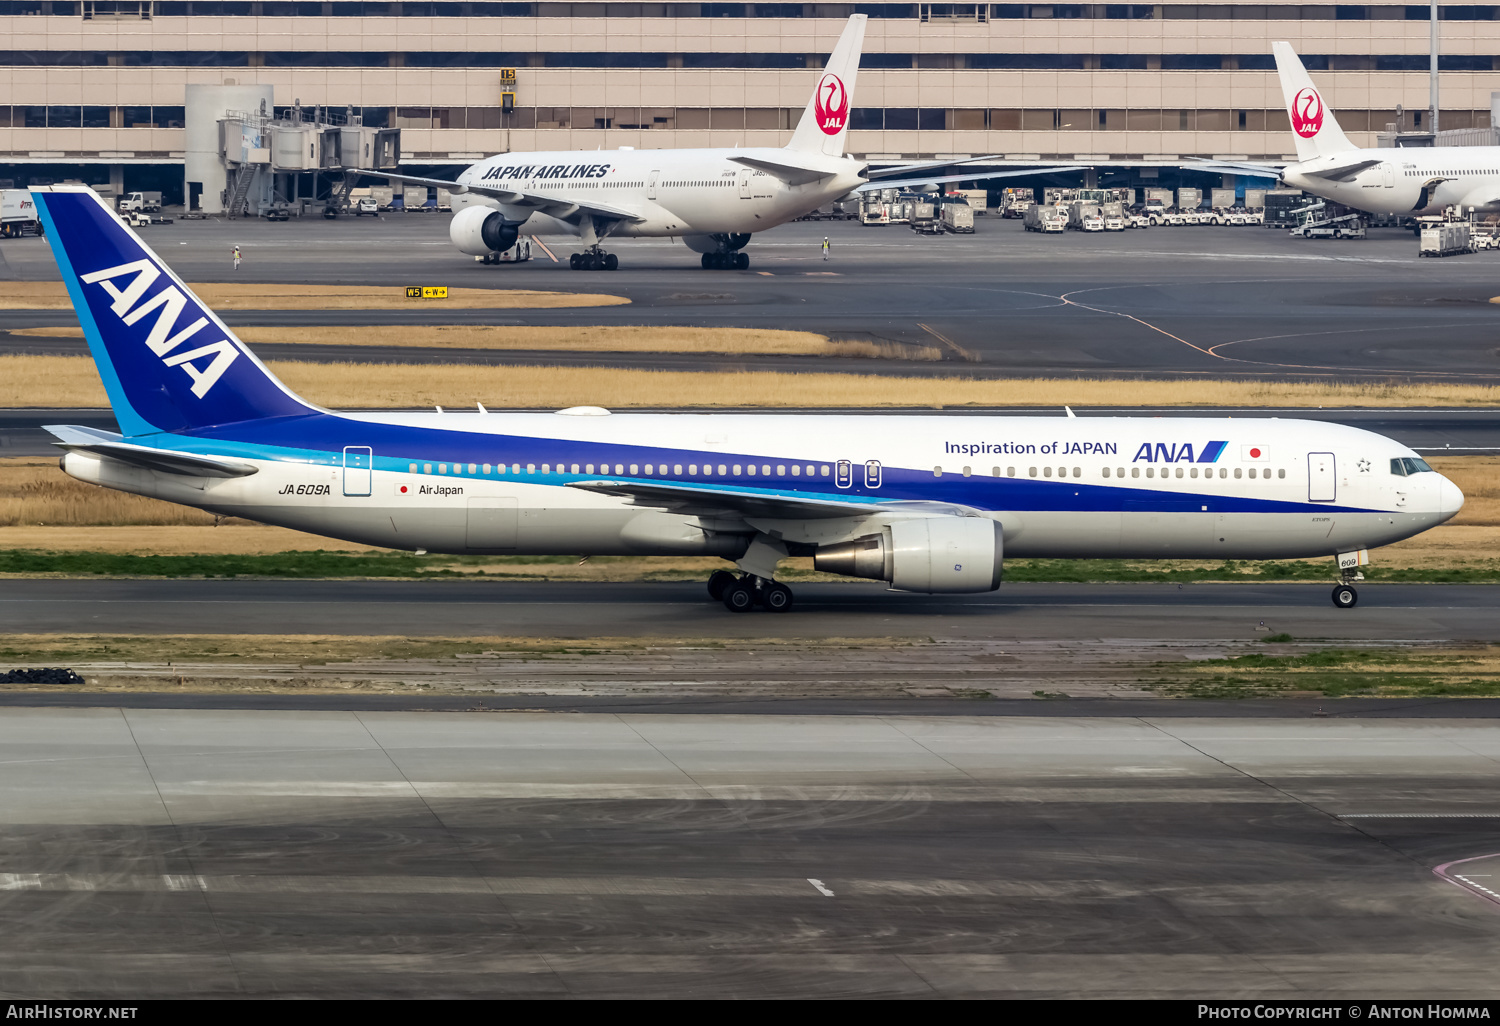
1364, 466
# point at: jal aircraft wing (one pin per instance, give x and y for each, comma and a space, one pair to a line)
916, 183
554, 206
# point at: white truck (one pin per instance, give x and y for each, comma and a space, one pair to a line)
18, 214
145, 202
1039, 218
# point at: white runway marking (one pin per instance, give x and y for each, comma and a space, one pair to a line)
821, 889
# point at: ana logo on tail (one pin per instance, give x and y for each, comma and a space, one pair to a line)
1307, 112
170, 302
831, 104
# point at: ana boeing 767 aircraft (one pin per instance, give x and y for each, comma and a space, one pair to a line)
928, 503
713, 199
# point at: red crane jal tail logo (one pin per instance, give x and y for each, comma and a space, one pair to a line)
1307, 113
831, 105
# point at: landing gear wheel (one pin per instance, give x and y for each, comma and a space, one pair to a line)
719, 582
742, 261
739, 597
775, 598
708, 261
1344, 596
611, 262
576, 261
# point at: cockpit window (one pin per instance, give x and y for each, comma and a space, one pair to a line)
1404, 466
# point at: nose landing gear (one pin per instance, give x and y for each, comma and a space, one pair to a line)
593, 259
742, 594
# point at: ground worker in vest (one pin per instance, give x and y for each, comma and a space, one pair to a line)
236, 254
825, 248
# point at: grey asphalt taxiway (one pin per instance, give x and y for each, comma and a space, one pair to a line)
178, 853
1179, 302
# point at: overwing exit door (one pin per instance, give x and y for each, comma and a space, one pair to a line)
359, 461
1322, 483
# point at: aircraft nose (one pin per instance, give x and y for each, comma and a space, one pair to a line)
1450, 498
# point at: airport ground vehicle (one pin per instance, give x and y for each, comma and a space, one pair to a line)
930, 504
18, 214
365, 205
958, 218
1114, 223
1040, 218
925, 217
141, 219
1091, 223
146, 202
517, 254
1444, 238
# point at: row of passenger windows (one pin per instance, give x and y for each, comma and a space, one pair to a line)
651, 469
1150, 472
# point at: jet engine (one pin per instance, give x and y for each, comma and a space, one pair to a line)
930, 555
716, 243
479, 231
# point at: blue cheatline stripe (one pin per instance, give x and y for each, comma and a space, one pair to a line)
131, 422
1212, 451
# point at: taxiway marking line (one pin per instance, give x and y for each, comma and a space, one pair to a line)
821, 889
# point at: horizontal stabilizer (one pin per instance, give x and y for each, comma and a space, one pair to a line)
910, 183
792, 172
105, 443
1342, 172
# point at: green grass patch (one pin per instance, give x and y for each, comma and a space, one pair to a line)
1338, 673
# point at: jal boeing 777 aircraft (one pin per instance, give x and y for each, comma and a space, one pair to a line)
930, 504
1401, 180
713, 199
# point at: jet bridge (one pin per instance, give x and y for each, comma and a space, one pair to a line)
278, 163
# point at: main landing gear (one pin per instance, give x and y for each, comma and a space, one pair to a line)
1344, 596
593, 259
736, 261
744, 593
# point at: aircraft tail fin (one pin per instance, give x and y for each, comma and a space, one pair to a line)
167, 361
1314, 127
824, 127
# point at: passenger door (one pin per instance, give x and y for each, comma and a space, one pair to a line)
359, 462
651, 181
1322, 483
745, 174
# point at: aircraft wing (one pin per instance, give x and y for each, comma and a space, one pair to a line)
554, 206
901, 183
703, 500
76, 438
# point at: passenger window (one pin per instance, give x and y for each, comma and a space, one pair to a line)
588, 468
810, 470
442, 468
635, 469
1077, 471
1281, 473
824, 471
765, 470
486, 468
1179, 473
723, 471
796, 470
619, 468
471, 468
1010, 471
1236, 473
1033, 472
677, 470
531, 468
500, 468
736, 470
1252, 473
1192, 472
937, 471
1046, 471
968, 472
1223, 472
547, 468
1106, 471
649, 467
574, 469
752, 470
412, 469
693, 470
1135, 471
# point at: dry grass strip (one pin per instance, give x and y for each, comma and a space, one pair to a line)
586, 339
72, 381
52, 295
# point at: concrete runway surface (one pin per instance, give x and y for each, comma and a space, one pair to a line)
1189, 302
168, 853
1080, 612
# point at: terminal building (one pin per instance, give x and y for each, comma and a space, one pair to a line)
98, 90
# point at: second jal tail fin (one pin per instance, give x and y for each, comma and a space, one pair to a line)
1314, 127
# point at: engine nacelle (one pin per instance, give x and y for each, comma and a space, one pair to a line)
716, 243
929, 554
479, 231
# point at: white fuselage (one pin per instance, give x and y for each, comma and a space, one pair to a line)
1412, 180
674, 192
1059, 487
